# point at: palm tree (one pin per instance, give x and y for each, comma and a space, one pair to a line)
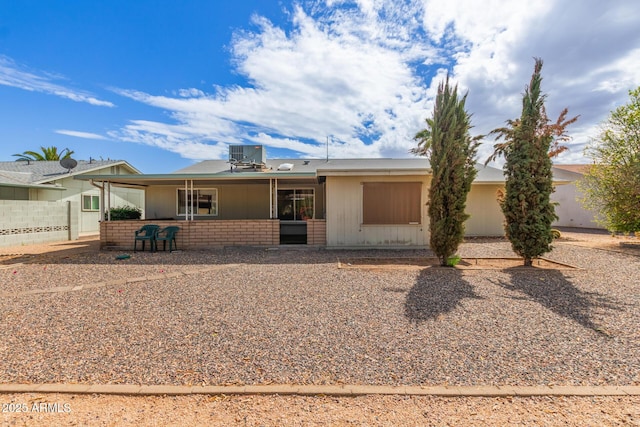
48, 153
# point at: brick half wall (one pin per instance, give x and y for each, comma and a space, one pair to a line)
317, 232
196, 234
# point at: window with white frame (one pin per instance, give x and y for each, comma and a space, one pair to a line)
204, 202
90, 203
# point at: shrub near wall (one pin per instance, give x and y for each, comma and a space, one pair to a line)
123, 213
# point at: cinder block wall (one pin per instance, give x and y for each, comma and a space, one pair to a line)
196, 234
24, 222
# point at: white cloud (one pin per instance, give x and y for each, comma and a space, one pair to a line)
190, 93
332, 75
78, 134
366, 71
11, 74
590, 51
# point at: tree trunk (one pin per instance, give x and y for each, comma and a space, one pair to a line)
528, 262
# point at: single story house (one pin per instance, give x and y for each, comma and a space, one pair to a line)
570, 211
41, 201
334, 203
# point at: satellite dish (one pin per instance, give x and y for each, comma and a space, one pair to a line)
68, 163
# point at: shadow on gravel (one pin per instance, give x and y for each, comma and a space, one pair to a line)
437, 291
551, 289
48, 252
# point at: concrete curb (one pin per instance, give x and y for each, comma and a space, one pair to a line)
329, 390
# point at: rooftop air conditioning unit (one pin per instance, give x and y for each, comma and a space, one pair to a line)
247, 156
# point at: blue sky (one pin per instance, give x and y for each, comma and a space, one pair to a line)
164, 84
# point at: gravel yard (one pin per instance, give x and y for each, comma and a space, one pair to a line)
257, 316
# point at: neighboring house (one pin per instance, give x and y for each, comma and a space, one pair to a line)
31, 190
570, 211
336, 203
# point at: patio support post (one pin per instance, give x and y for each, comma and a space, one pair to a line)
192, 201
101, 201
186, 200
109, 201
276, 203
103, 205
270, 198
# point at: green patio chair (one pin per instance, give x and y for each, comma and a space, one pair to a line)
146, 233
167, 234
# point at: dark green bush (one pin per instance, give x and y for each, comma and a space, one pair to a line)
124, 212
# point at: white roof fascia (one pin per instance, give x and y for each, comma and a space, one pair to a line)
38, 186
88, 171
378, 172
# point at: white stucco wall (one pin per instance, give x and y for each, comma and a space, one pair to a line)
486, 216
570, 211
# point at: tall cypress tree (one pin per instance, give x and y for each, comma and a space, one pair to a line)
451, 151
530, 142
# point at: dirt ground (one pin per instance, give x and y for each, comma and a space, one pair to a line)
103, 410
36, 409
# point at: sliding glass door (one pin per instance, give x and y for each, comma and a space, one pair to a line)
295, 205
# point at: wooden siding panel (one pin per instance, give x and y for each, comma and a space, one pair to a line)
344, 215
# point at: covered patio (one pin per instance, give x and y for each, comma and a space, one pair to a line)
221, 207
